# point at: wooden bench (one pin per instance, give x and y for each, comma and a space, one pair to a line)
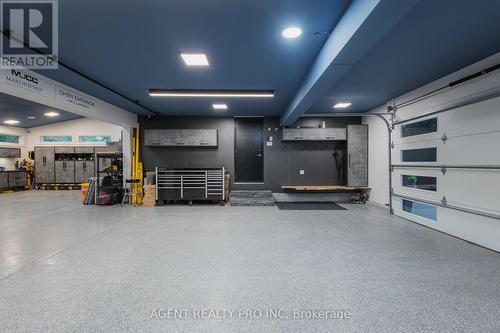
323, 188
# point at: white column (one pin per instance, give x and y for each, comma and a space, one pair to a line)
127, 152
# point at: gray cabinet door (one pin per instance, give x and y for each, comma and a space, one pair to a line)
314, 134
176, 138
357, 155
44, 164
17, 179
65, 171
10, 152
180, 137
84, 150
65, 150
194, 138
207, 138
4, 179
83, 171
152, 137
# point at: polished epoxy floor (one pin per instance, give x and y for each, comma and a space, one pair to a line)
69, 268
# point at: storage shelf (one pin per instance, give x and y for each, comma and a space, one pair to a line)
116, 187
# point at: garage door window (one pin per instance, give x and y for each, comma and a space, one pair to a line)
419, 155
421, 127
419, 182
423, 210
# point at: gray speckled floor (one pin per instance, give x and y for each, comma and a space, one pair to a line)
69, 268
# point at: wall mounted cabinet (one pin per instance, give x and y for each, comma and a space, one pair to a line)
64, 150
180, 137
85, 150
10, 152
314, 134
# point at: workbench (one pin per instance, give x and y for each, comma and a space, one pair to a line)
323, 188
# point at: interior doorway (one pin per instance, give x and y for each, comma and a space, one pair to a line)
248, 150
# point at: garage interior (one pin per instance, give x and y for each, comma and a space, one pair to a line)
257, 166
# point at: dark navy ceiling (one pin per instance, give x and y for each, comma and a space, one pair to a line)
19, 109
436, 38
133, 45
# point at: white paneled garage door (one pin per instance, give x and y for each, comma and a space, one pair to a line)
463, 198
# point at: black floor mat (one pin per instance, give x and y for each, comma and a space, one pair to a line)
309, 206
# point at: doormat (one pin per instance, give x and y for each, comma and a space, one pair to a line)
309, 206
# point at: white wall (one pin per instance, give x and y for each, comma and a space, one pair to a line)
75, 128
472, 125
8, 163
378, 157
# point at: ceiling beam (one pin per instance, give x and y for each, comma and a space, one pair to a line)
363, 24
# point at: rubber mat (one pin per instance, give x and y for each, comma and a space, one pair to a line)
309, 206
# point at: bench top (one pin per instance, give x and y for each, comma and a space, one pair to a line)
323, 188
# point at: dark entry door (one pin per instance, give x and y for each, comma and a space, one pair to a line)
248, 152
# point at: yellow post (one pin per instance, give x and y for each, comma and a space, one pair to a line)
140, 185
138, 167
132, 168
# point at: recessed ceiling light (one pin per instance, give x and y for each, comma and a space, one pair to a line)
342, 105
31, 117
195, 59
11, 122
219, 106
51, 114
292, 32
212, 93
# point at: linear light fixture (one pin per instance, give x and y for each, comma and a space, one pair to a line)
11, 122
342, 105
212, 93
51, 114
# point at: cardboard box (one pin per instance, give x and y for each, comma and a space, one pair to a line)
149, 199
